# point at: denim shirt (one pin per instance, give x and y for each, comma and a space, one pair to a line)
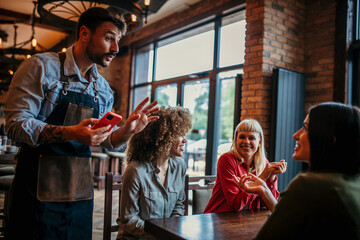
35, 89
144, 196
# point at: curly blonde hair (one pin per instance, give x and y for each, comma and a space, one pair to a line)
156, 139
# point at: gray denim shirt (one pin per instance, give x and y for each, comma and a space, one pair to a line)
35, 90
145, 197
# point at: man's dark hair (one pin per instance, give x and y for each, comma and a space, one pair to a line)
334, 136
93, 17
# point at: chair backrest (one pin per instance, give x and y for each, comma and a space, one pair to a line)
112, 183
202, 189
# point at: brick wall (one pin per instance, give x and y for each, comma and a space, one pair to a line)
274, 38
319, 51
118, 75
296, 35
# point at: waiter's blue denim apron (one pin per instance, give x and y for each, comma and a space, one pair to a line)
52, 194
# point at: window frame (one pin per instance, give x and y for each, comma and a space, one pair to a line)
212, 75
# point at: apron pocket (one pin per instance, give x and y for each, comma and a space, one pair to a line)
64, 179
76, 113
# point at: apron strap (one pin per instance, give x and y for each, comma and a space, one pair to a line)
96, 91
63, 78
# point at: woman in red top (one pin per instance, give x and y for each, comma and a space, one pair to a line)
247, 155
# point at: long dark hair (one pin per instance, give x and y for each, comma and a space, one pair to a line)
334, 136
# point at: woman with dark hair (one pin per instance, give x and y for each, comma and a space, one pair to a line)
323, 203
153, 182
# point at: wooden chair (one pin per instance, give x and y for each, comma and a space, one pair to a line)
98, 166
116, 161
112, 183
201, 187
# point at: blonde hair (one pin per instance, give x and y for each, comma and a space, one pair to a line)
156, 139
251, 125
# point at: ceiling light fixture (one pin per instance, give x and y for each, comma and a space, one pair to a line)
18, 48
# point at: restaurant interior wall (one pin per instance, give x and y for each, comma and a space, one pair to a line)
295, 35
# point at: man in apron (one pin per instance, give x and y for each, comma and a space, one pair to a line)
53, 101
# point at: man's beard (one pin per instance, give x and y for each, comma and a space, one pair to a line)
96, 58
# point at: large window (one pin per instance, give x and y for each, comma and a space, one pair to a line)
197, 67
191, 54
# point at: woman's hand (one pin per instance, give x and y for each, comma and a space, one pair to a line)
272, 169
278, 168
250, 183
253, 184
136, 122
141, 116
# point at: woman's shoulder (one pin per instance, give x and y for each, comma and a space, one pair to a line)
319, 177
136, 167
327, 191
312, 182
178, 162
227, 157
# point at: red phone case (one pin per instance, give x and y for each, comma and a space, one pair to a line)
109, 118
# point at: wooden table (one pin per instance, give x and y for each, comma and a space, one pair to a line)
231, 225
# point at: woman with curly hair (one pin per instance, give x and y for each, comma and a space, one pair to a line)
153, 182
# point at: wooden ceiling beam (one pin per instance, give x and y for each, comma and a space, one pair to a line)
11, 17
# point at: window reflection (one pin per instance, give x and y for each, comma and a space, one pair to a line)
166, 95
196, 99
140, 94
144, 64
232, 40
190, 54
227, 107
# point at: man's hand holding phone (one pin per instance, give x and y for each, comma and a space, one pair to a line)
109, 118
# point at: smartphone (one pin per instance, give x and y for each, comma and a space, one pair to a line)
109, 118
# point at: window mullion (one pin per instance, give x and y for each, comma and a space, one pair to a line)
214, 105
154, 71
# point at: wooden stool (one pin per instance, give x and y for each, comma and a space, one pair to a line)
5, 182
98, 166
115, 162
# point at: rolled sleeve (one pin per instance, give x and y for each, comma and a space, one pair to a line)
107, 144
24, 102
